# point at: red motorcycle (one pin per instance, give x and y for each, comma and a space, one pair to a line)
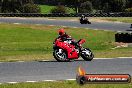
66, 51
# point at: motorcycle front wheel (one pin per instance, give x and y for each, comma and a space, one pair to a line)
60, 55
87, 54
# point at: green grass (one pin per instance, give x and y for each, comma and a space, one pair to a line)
121, 52
47, 9
63, 84
34, 42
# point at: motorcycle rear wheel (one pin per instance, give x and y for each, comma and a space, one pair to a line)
89, 22
60, 56
87, 54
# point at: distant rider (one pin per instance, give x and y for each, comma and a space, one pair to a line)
83, 17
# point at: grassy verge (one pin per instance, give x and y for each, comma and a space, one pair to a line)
34, 42
63, 84
47, 9
121, 52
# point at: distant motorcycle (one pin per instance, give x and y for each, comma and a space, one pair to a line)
84, 21
131, 26
65, 51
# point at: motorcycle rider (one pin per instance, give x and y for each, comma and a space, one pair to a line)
83, 17
131, 26
63, 36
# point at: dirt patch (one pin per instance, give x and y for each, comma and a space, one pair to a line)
120, 45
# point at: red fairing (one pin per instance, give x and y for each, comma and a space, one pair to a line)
82, 41
72, 53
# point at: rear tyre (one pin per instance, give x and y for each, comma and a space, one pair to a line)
60, 55
87, 54
89, 22
81, 22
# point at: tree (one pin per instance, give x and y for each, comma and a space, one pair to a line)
110, 5
128, 10
85, 7
59, 9
74, 4
31, 8
9, 6
18, 6
129, 4
106, 7
26, 1
0, 5
118, 5
99, 4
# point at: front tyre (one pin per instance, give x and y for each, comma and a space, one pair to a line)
60, 55
87, 54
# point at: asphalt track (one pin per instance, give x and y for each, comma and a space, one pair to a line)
95, 25
52, 70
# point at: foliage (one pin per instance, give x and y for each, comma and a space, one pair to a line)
128, 10
46, 8
31, 8
85, 7
110, 5
118, 5
59, 9
10, 6
129, 4
104, 5
18, 6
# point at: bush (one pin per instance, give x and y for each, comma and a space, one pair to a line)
118, 5
128, 10
59, 9
0, 9
31, 8
86, 7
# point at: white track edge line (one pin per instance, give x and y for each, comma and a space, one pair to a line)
16, 23
93, 58
75, 27
31, 81
52, 25
49, 80
71, 79
124, 57
12, 82
38, 81
103, 58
